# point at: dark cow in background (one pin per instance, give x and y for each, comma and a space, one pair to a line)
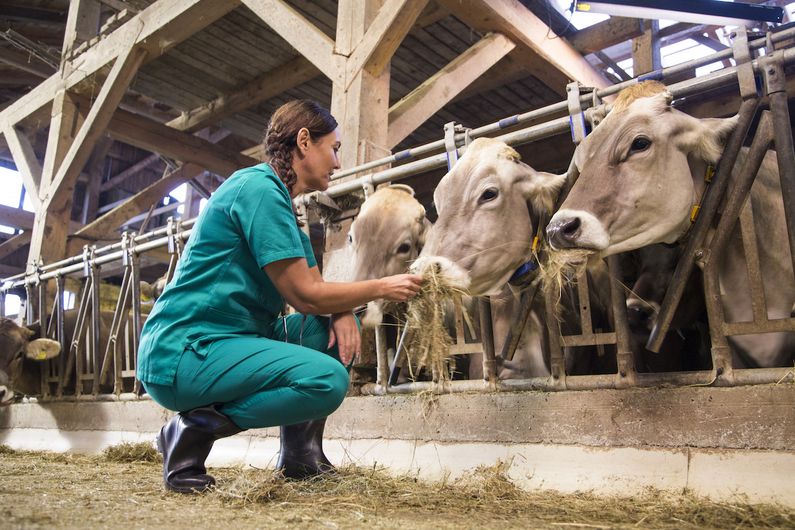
18, 344
641, 172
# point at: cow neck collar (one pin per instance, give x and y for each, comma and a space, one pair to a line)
709, 174
526, 272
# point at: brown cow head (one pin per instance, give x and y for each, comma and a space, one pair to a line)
16, 345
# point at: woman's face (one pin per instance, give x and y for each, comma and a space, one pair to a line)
315, 161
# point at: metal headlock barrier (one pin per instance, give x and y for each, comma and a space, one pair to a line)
98, 358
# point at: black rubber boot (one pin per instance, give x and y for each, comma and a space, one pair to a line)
185, 441
301, 454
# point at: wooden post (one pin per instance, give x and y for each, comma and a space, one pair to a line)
646, 49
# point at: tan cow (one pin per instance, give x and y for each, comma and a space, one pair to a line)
486, 205
641, 172
385, 238
18, 343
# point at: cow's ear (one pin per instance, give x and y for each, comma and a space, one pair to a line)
402, 187
705, 138
541, 189
42, 349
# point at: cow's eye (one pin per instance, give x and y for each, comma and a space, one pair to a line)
405, 248
488, 195
639, 144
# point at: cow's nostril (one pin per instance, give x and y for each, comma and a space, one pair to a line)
565, 232
571, 228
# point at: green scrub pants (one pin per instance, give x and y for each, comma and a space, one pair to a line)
260, 382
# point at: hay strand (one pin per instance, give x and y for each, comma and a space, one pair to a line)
131, 452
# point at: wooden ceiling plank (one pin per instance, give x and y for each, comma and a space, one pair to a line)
614, 30
16, 217
515, 21
301, 34
390, 26
433, 94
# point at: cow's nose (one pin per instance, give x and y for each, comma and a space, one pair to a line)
563, 233
638, 314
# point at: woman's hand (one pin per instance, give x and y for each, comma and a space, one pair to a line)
400, 287
344, 332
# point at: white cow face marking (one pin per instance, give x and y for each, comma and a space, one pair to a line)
484, 204
640, 175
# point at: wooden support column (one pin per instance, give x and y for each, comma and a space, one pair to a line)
646, 49
27, 164
96, 167
360, 104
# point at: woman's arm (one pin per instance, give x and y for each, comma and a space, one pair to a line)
308, 293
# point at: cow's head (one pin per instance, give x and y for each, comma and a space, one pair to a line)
386, 237
641, 172
16, 345
486, 204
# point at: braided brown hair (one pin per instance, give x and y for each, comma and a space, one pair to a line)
280, 137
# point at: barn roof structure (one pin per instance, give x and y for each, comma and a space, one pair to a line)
107, 105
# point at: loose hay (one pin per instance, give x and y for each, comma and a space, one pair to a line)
560, 267
132, 452
75, 491
429, 343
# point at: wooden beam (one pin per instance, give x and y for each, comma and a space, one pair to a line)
120, 177
282, 78
82, 24
157, 29
139, 202
26, 161
433, 94
96, 166
16, 217
301, 34
384, 35
13, 244
152, 136
515, 21
604, 34
108, 99
646, 50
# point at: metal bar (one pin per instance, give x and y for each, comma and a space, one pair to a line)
557, 363
751, 328
94, 335
519, 322
624, 357
487, 340
693, 248
584, 304
776, 83
382, 361
59, 323
751, 251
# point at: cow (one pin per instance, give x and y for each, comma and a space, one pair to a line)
18, 343
640, 174
385, 238
489, 204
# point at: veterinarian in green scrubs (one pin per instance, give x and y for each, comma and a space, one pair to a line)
215, 347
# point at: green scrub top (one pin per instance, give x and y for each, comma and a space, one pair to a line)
219, 289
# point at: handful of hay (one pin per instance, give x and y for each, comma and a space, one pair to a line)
429, 342
560, 267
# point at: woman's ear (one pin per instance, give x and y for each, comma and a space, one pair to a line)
302, 139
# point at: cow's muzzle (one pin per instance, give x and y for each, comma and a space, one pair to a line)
6, 395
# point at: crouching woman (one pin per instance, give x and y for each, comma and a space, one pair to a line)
214, 347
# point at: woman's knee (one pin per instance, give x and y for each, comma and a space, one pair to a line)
329, 384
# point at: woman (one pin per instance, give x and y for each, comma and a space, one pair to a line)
214, 347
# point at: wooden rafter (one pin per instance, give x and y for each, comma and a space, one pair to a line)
152, 136
515, 21
604, 34
276, 81
424, 101
16, 217
383, 36
301, 34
